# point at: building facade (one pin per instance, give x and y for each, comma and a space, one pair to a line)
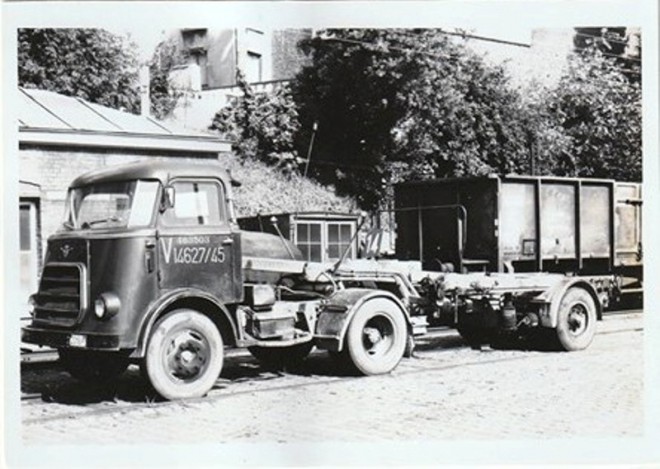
267, 59
214, 56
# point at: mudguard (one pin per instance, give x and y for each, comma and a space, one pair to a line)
551, 299
335, 315
164, 303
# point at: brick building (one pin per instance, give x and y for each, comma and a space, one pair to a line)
61, 137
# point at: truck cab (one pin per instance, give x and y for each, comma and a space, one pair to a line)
124, 244
136, 242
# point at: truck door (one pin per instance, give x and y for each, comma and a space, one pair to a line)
196, 244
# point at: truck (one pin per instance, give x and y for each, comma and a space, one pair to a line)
150, 268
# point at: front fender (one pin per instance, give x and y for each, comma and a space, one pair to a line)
336, 313
551, 299
164, 303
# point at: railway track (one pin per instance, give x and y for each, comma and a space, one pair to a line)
316, 372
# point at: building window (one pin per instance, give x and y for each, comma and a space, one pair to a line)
309, 241
29, 249
339, 240
325, 241
254, 71
26, 227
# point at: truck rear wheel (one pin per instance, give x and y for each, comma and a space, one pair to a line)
576, 320
376, 337
93, 366
184, 356
282, 356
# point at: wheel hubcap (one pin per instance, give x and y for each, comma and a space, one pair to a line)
577, 320
377, 335
187, 355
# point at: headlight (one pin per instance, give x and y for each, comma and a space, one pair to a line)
260, 296
106, 305
32, 305
99, 308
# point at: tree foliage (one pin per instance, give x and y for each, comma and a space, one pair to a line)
92, 64
405, 104
395, 105
264, 191
162, 92
262, 126
597, 111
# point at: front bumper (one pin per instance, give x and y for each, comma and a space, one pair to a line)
63, 339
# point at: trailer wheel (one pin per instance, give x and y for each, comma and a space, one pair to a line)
576, 321
184, 356
93, 366
473, 336
282, 356
376, 337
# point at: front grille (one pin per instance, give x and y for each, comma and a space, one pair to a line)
61, 294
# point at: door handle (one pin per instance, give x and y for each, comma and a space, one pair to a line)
228, 241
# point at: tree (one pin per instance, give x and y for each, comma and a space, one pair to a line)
598, 110
405, 104
262, 126
92, 64
163, 94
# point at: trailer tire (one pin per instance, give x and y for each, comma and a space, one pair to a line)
282, 356
473, 336
184, 356
93, 366
576, 320
376, 338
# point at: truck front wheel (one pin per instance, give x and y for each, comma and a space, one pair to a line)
184, 356
376, 337
93, 366
576, 320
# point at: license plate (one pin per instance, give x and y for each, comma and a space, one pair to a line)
77, 340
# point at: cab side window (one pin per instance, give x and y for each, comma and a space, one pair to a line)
196, 203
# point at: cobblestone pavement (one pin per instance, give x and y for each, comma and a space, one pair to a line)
447, 392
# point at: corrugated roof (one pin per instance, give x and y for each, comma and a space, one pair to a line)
48, 110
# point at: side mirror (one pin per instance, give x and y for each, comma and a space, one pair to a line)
167, 201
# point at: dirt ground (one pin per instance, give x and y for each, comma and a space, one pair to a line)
447, 392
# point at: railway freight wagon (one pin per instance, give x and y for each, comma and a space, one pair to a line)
523, 224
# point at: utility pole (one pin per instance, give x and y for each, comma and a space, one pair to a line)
311, 145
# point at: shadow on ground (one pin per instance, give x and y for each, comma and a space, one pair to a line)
50, 383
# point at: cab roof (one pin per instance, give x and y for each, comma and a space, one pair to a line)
161, 171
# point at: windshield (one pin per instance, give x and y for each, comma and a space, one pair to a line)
124, 204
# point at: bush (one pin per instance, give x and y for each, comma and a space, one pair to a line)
265, 190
